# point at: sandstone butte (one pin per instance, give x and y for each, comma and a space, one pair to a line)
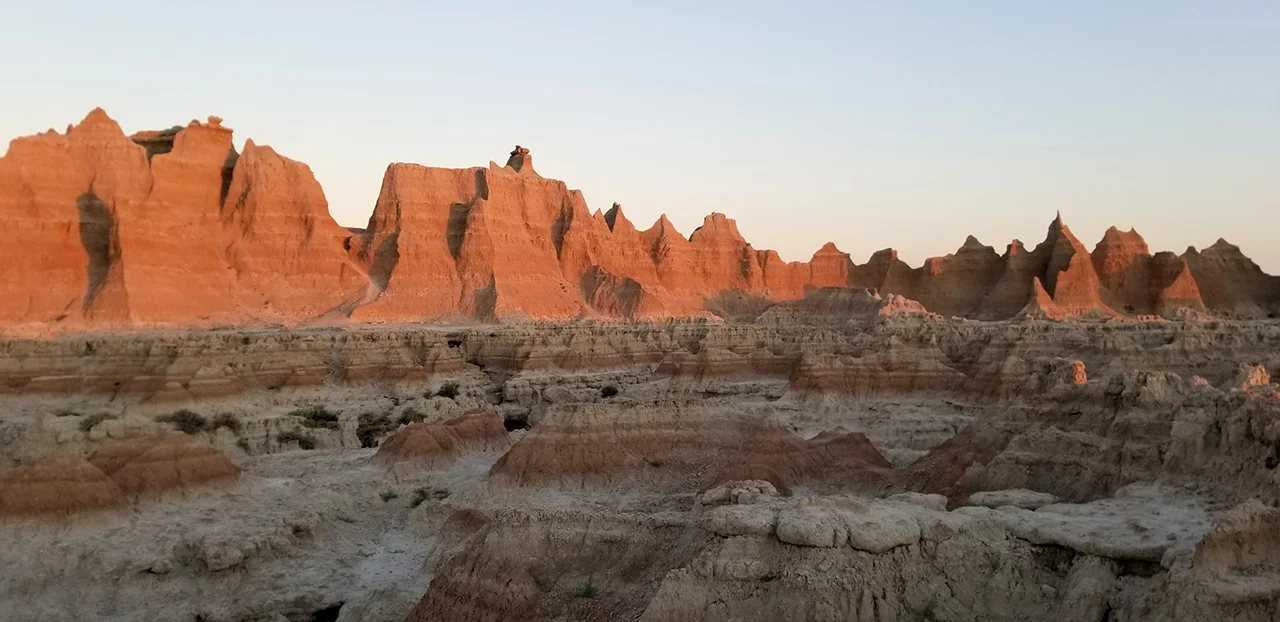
176, 228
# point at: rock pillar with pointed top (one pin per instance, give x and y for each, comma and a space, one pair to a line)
521, 162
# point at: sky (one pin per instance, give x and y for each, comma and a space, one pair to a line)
870, 124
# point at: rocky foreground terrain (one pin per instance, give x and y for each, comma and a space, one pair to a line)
493, 404
850, 466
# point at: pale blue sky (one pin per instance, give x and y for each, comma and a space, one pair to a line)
904, 124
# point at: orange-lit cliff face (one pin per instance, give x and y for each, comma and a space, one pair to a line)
175, 228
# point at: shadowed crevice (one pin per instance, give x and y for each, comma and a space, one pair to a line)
486, 301
385, 259
560, 226
100, 242
482, 185
228, 169
456, 230
611, 216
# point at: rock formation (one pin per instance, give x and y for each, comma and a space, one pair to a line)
1231, 282
847, 455
135, 231
421, 445
60, 487
955, 284
152, 465
284, 249
681, 447
176, 228
412, 239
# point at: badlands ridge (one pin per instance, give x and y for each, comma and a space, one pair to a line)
175, 228
218, 405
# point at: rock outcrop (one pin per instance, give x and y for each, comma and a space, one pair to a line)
284, 249
1232, 283
153, 465
60, 195
681, 447
145, 230
57, 487
176, 228
425, 446
955, 284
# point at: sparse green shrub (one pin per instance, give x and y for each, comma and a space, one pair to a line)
422, 494
448, 389
89, 422
228, 421
317, 417
185, 421
608, 392
304, 440
586, 590
410, 415
371, 428
67, 412
387, 495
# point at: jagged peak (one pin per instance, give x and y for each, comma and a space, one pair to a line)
1223, 245
1037, 289
663, 227
1016, 247
96, 121
1039, 303
884, 254
1058, 226
97, 115
521, 162
1114, 239
267, 151
972, 244
829, 247
718, 225
614, 214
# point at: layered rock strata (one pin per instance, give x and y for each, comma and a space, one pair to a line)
177, 228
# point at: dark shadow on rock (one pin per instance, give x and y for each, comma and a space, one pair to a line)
610, 294
737, 306
228, 168
98, 237
460, 213
157, 143
611, 216
486, 301
560, 226
456, 231
385, 259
